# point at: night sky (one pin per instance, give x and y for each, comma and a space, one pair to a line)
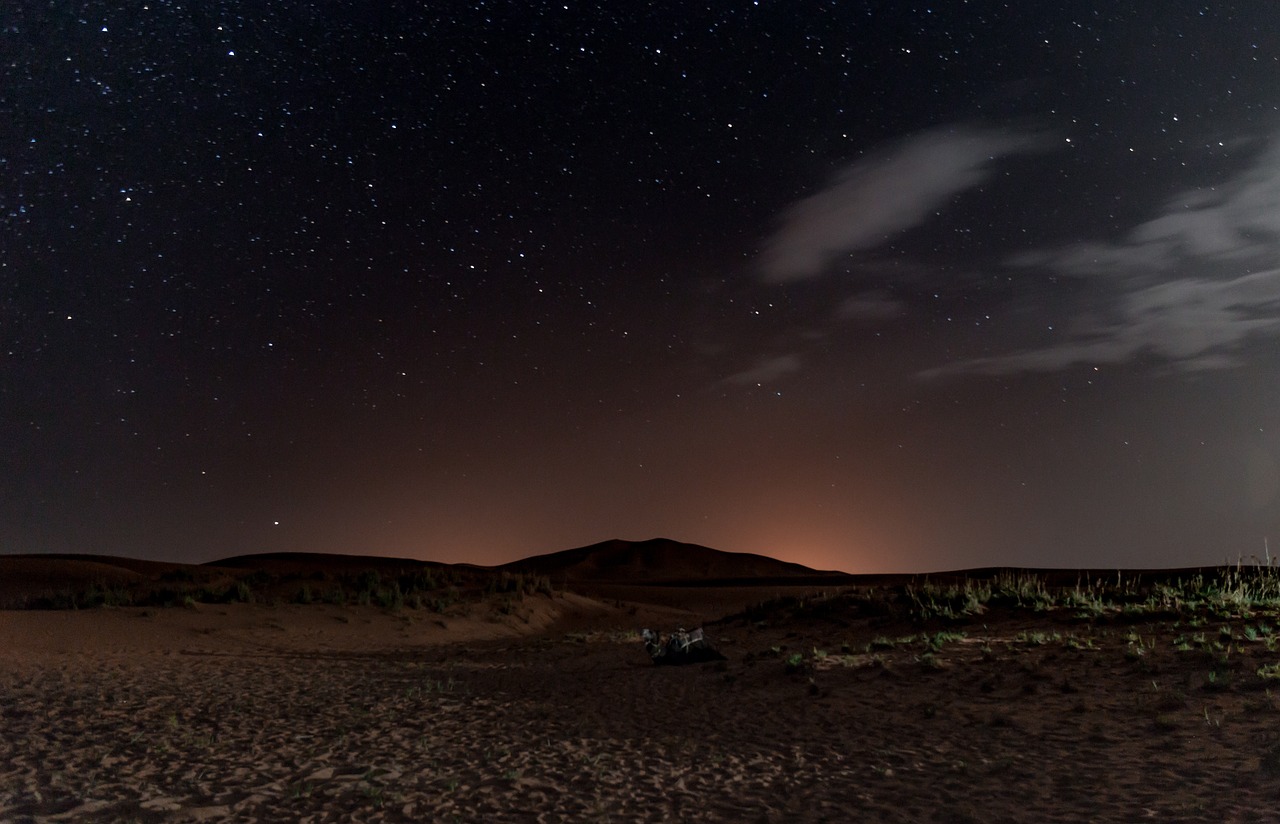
873, 286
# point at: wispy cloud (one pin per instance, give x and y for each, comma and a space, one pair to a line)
766, 370
1236, 221
871, 307
884, 194
1194, 324
1190, 285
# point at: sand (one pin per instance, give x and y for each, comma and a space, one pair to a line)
321, 713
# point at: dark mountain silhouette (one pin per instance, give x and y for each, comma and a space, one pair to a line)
660, 560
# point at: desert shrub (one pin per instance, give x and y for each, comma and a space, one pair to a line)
258, 579
445, 600
420, 581
936, 641
117, 597
929, 661
505, 582
929, 601
390, 597
90, 597
369, 580
1020, 591
164, 597
60, 599
241, 593
1087, 602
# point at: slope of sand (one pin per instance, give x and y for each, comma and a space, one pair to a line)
554, 714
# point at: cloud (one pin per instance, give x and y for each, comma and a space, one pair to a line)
871, 307
1190, 285
1238, 220
1195, 324
882, 195
766, 370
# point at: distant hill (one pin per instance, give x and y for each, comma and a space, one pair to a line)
659, 560
55, 578
302, 563
23, 575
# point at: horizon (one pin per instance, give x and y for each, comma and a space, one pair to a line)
1252, 562
862, 287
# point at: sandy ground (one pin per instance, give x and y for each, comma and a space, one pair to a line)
321, 713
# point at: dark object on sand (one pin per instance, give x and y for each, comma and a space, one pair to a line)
681, 647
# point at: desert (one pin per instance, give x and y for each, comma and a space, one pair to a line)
315, 689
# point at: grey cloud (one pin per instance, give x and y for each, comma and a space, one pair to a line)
1238, 220
884, 194
1232, 221
871, 307
1085, 259
766, 370
1194, 323
1189, 285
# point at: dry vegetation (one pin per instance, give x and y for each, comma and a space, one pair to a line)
1004, 697
417, 588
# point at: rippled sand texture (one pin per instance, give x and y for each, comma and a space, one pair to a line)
581, 728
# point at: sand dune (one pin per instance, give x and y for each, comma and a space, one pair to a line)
853, 705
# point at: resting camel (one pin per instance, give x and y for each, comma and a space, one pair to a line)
682, 647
